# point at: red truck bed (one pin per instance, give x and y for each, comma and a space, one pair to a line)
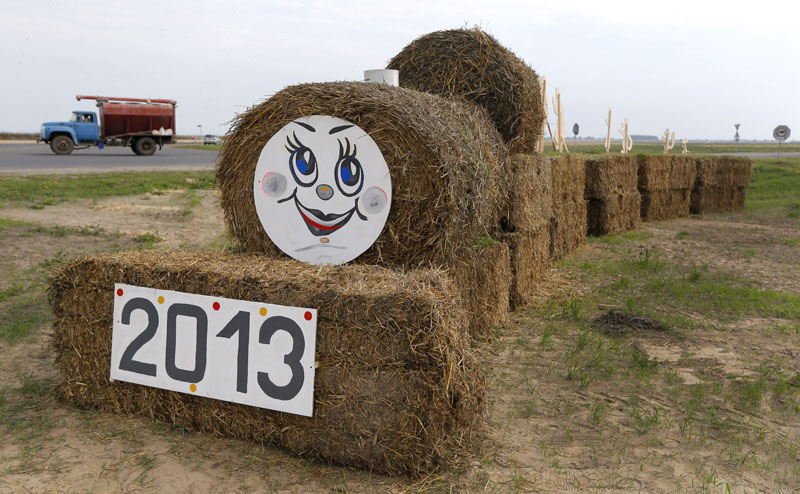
134, 116
120, 119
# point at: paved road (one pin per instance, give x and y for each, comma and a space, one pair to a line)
17, 158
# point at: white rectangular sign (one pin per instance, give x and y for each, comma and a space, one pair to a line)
251, 353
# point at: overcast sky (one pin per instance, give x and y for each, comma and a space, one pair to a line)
696, 67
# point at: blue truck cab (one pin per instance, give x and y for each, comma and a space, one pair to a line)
81, 130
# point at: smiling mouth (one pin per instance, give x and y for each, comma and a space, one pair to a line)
321, 224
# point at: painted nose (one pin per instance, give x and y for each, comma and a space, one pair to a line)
324, 191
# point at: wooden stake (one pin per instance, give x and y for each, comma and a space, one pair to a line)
608, 134
627, 140
667, 145
540, 144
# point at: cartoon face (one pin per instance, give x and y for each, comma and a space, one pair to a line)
322, 190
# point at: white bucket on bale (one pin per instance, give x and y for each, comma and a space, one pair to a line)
383, 76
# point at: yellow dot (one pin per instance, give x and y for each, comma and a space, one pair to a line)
160, 299
263, 311
193, 387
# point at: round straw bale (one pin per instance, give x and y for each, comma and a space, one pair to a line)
444, 157
470, 63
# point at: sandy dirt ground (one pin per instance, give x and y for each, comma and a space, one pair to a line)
543, 433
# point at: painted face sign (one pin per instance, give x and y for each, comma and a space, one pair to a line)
322, 190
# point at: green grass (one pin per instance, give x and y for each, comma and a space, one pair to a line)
644, 283
7, 136
44, 190
146, 241
621, 238
21, 317
9, 292
63, 231
775, 188
5, 224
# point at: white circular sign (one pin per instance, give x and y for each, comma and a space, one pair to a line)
781, 133
322, 190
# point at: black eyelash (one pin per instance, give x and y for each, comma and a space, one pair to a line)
294, 146
345, 153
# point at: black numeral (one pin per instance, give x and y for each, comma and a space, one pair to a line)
241, 324
195, 375
292, 359
126, 362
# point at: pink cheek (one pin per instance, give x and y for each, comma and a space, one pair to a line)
264, 182
273, 184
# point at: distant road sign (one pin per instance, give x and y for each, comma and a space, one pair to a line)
575, 129
781, 133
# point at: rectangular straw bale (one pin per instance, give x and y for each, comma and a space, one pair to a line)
568, 224
717, 199
723, 171
530, 193
611, 175
666, 172
482, 275
665, 204
398, 387
614, 214
530, 258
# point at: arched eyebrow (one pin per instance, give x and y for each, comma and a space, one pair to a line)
339, 129
305, 126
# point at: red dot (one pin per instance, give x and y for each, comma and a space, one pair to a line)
308, 316
216, 305
119, 291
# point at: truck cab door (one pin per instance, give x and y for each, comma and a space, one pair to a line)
86, 128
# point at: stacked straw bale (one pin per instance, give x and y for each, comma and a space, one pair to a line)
397, 388
448, 182
665, 184
614, 203
444, 157
483, 275
527, 223
568, 223
721, 184
470, 63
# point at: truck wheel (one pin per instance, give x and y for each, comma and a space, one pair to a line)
133, 148
62, 145
145, 146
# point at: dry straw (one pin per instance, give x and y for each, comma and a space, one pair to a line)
482, 274
660, 172
614, 203
398, 388
530, 258
611, 175
721, 184
665, 204
717, 199
444, 158
568, 224
665, 183
724, 171
530, 193
614, 214
470, 63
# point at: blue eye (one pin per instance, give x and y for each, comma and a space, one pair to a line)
349, 174
302, 162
